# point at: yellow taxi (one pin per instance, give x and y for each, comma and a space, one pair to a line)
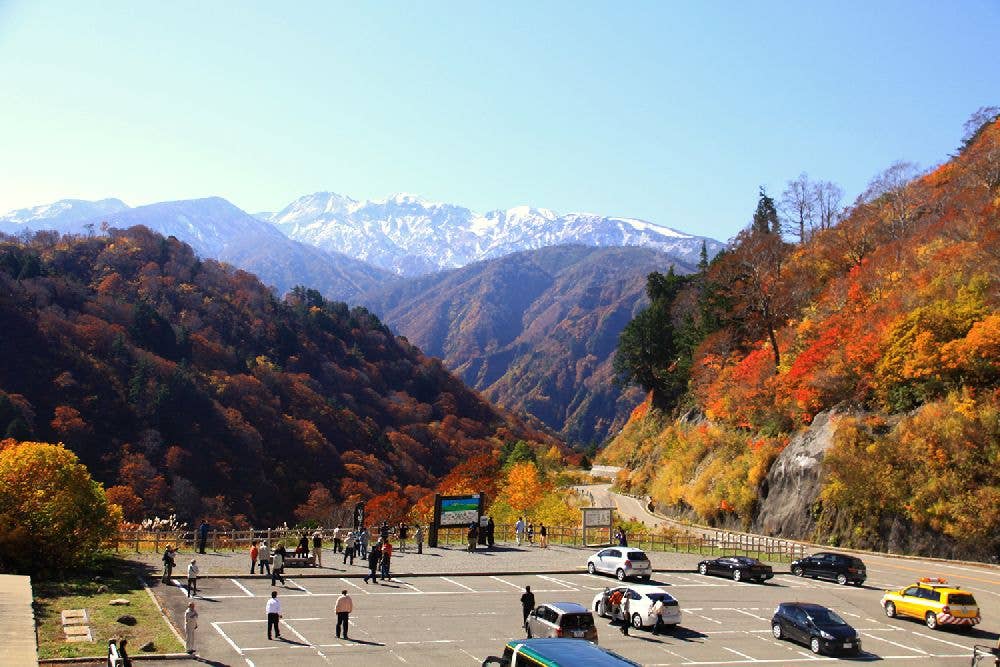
934, 602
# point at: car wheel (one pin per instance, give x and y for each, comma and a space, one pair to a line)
637, 621
842, 579
814, 645
737, 575
776, 630
930, 620
702, 569
591, 568
620, 574
890, 610
797, 571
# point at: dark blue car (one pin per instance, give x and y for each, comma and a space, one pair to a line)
819, 628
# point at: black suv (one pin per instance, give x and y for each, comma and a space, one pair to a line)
819, 628
838, 567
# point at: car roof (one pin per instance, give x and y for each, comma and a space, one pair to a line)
803, 605
568, 607
564, 652
646, 588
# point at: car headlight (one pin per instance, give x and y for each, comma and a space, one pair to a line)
825, 635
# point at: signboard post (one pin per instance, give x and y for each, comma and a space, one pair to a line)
597, 520
454, 511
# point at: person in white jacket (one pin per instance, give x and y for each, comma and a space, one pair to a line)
344, 608
273, 611
190, 624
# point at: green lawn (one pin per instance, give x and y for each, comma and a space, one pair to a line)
80, 591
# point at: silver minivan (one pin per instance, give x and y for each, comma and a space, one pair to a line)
561, 619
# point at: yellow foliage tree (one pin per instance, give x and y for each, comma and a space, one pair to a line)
52, 514
524, 486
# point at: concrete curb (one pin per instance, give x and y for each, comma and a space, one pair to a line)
104, 658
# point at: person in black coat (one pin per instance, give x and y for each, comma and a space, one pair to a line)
527, 604
490, 526
374, 556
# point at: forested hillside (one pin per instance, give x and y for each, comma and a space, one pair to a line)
888, 322
534, 331
187, 385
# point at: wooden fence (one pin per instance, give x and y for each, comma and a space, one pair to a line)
719, 543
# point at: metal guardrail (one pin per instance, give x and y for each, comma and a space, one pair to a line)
721, 543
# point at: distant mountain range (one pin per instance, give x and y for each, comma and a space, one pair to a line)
410, 236
534, 331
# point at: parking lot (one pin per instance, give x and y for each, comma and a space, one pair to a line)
459, 620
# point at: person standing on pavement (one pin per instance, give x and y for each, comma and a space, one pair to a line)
202, 537
473, 535
544, 536
527, 604
344, 608
386, 559
273, 611
490, 527
403, 534
519, 530
374, 556
363, 541
531, 534
418, 535
657, 610
168, 564
349, 547
626, 611
318, 547
337, 539
254, 554
192, 579
190, 625
264, 557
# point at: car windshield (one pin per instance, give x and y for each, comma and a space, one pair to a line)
743, 560
825, 617
637, 555
577, 621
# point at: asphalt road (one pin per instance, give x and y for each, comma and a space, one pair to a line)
459, 620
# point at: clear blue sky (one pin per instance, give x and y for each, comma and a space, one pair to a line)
670, 112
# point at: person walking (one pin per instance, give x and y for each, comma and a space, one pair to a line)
519, 530
344, 608
264, 557
657, 610
190, 625
418, 535
192, 579
350, 547
527, 604
626, 608
273, 611
363, 541
386, 559
543, 540
337, 539
278, 565
531, 534
168, 564
490, 527
254, 555
202, 536
374, 556
318, 547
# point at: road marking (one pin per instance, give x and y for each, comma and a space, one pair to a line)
741, 611
299, 586
559, 582
400, 581
243, 588
742, 655
306, 641
259, 620
432, 641
475, 659
705, 617
903, 646
236, 648
938, 639
452, 581
924, 570
351, 583
504, 581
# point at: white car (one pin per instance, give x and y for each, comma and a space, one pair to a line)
641, 602
623, 562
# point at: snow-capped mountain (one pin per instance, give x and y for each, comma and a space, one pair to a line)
61, 215
410, 236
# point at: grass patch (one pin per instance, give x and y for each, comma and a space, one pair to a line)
80, 590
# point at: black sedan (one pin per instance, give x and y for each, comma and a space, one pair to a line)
739, 568
819, 628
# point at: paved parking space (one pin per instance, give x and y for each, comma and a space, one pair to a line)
459, 620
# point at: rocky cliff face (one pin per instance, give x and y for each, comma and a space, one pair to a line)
794, 481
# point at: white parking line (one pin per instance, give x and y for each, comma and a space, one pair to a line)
452, 581
351, 583
559, 582
902, 646
299, 586
243, 588
504, 581
305, 641
938, 639
742, 655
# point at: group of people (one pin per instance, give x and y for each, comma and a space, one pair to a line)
526, 532
473, 533
343, 608
619, 606
170, 562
